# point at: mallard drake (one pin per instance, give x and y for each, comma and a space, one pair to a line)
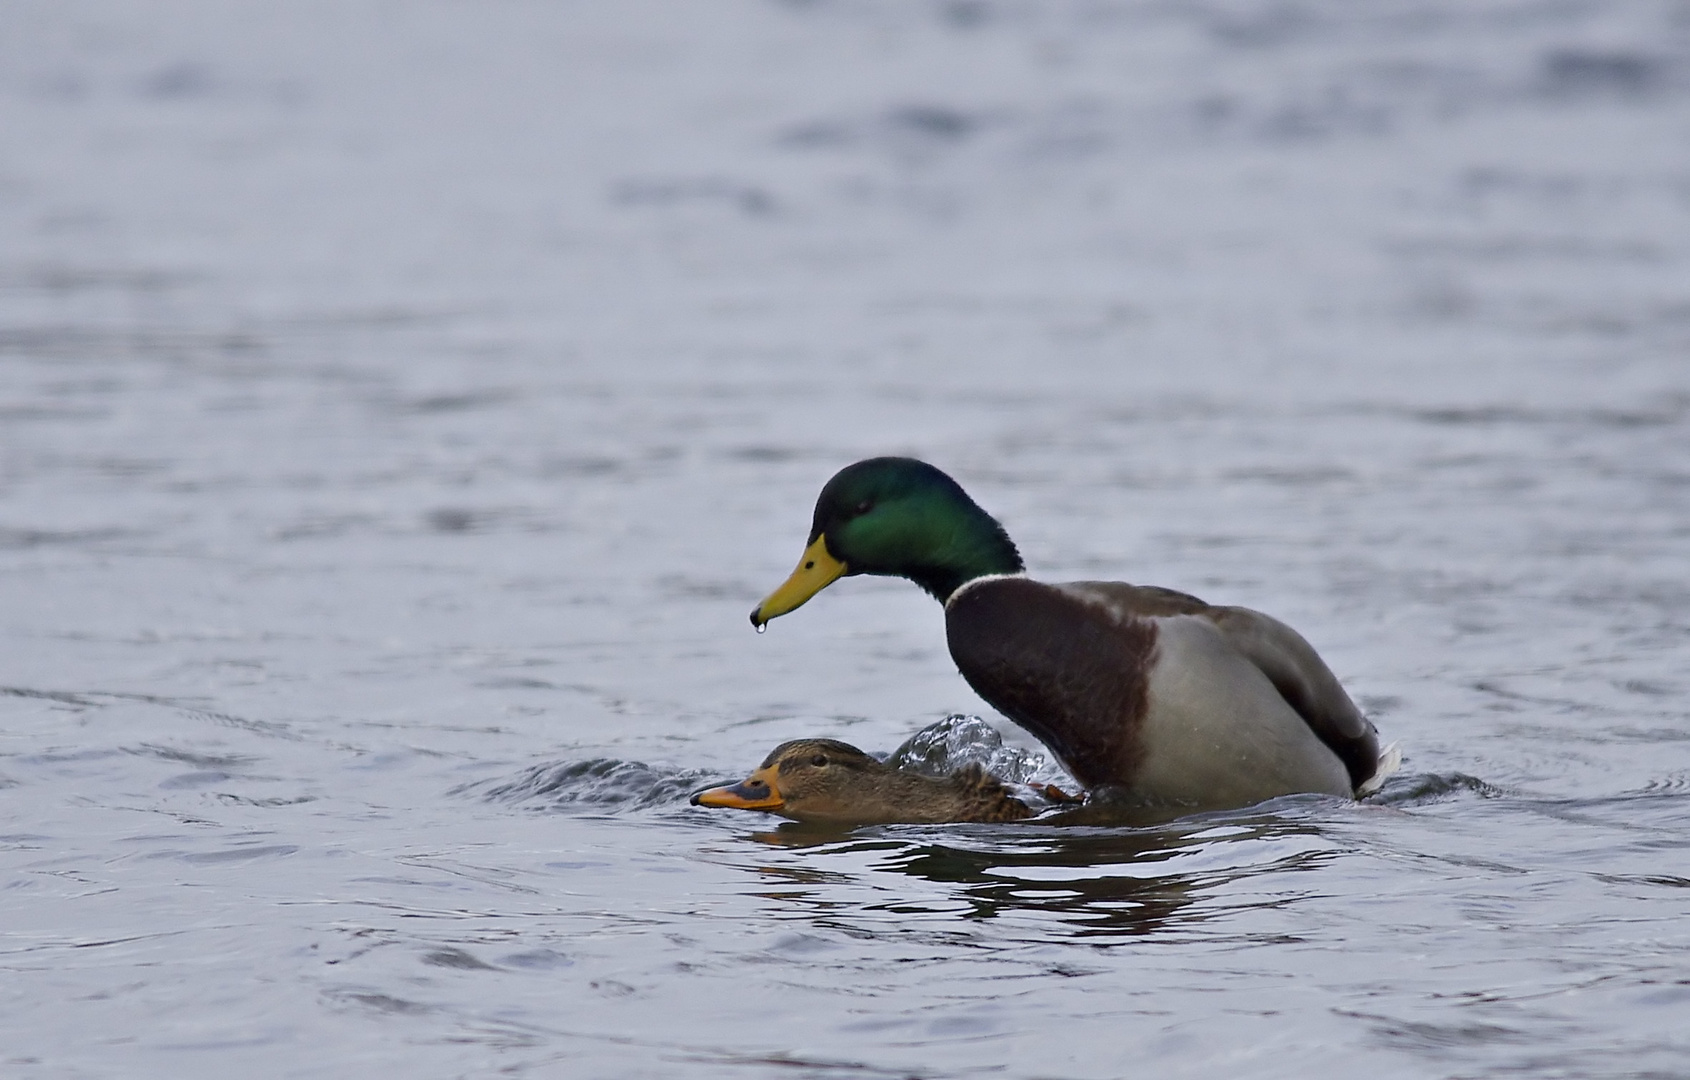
1164, 699
824, 780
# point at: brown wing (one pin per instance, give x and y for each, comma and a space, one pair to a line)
1306, 683
985, 798
1069, 672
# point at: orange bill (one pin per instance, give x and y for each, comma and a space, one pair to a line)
756, 792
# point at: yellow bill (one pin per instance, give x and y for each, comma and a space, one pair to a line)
816, 571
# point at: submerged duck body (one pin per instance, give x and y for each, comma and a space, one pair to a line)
827, 781
1154, 694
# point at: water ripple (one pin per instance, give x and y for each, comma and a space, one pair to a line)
1419, 789
595, 782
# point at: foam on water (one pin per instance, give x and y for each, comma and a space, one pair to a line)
958, 741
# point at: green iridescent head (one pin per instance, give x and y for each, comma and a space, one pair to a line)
897, 517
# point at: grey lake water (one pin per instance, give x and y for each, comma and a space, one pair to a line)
402, 405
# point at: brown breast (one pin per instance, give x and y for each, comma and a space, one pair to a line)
1073, 674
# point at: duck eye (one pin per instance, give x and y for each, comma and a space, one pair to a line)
819, 760
865, 506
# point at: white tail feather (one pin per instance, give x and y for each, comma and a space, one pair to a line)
1390, 760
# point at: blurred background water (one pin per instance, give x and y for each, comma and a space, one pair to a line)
403, 404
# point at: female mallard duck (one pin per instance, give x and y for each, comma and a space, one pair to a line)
1167, 700
827, 781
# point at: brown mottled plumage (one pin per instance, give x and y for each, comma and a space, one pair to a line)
829, 781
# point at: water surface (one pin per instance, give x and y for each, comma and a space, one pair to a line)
401, 407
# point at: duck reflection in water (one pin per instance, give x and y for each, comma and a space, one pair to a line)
1086, 882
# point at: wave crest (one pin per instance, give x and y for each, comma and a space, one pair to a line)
595, 782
